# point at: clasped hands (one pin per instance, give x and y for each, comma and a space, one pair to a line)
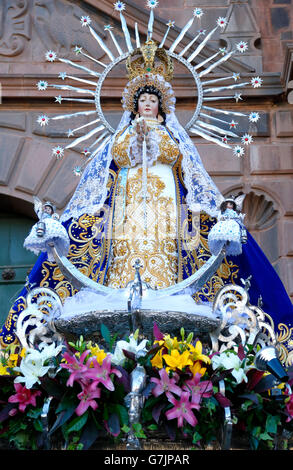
142, 130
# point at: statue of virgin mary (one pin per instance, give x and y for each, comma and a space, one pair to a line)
145, 195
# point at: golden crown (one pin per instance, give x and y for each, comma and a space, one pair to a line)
151, 59
150, 66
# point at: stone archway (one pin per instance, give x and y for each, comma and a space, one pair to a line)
262, 222
16, 220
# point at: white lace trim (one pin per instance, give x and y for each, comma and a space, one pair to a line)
152, 150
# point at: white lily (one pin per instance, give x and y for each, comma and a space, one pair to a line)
32, 365
50, 350
228, 360
32, 369
138, 350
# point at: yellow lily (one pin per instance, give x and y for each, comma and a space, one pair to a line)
171, 343
98, 353
196, 353
3, 370
12, 361
157, 360
197, 369
23, 352
175, 360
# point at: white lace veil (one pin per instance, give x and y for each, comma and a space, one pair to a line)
201, 190
91, 191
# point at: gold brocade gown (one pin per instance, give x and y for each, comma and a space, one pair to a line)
145, 213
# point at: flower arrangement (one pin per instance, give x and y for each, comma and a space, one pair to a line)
78, 393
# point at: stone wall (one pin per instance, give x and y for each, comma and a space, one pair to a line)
31, 27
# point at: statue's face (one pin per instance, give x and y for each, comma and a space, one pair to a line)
148, 105
48, 210
230, 205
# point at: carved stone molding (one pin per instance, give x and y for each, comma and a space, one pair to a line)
287, 73
15, 27
243, 25
260, 212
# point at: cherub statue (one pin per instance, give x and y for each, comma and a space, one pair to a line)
47, 232
229, 229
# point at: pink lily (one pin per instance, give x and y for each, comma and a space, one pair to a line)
87, 398
182, 409
101, 373
289, 407
198, 389
24, 396
165, 384
75, 366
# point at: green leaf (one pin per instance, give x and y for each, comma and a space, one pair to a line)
122, 413
34, 413
90, 432
21, 440
255, 437
138, 431
196, 437
125, 429
113, 341
152, 427
62, 418
272, 424
68, 402
246, 405
38, 425
52, 387
76, 424
265, 437
211, 404
105, 333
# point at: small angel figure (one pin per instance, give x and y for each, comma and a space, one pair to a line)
229, 229
47, 232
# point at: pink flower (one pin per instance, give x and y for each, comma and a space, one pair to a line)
182, 409
75, 366
87, 398
165, 384
198, 389
289, 407
101, 373
24, 396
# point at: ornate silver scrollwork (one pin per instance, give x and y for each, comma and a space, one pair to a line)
35, 322
241, 322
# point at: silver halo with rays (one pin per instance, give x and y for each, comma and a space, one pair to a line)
204, 122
